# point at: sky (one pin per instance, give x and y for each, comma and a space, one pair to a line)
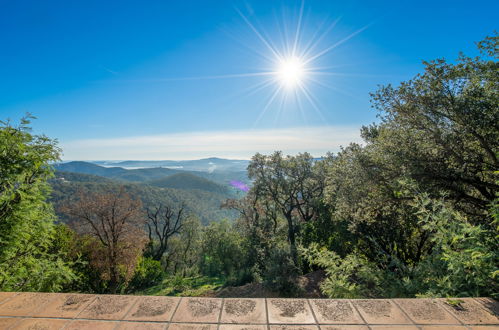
156, 80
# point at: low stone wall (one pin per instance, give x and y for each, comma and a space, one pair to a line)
82, 311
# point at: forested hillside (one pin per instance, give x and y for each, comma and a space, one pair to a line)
203, 201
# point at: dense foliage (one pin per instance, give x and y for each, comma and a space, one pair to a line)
27, 233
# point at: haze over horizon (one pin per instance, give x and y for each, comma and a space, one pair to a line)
191, 80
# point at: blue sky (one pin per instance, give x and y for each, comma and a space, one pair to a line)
158, 79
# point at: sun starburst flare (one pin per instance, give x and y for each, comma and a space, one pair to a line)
293, 67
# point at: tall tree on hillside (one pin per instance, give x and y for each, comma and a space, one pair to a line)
27, 261
295, 184
115, 221
163, 222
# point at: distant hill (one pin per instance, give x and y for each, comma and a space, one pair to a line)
150, 174
188, 181
201, 203
89, 168
118, 173
202, 165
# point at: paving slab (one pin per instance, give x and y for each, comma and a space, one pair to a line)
66, 305
344, 327
249, 311
328, 311
141, 326
380, 311
91, 325
184, 326
7, 322
489, 304
294, 311
41, 324
426, 311
242, 327
444, 327
293, 327
394, 327
203, 310
108, 307
4, 296
470, 312
26, 304
484, 327
153, 309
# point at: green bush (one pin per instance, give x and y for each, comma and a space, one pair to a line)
280, 272
148, 273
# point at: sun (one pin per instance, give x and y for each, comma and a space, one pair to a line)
291, 72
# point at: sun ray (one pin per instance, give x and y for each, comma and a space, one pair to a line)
262, 39
342, 41
298, 27
312, 101
331, 87
314, 43
269, 102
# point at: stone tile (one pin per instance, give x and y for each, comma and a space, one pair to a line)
198, 310
489, 304
470, 312
187, 326
444, 327
394, 327
141, 326
91, 325
380, 311
7, 322
294, 327
484, 327
344, 327
4, 296
294, 311
242, 327
111, 307
329, 311
153, 309
26, 304
249, 311
426, 311
66, 305
41, 324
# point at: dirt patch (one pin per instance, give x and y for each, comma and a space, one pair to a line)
153, 307
250, 290
334, 310
309, 287
289, 308
202, 307
239, 307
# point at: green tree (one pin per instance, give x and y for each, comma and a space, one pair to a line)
295, 184
442, 128
222, 253
27, 259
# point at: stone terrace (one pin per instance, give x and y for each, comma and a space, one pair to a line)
81, 311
